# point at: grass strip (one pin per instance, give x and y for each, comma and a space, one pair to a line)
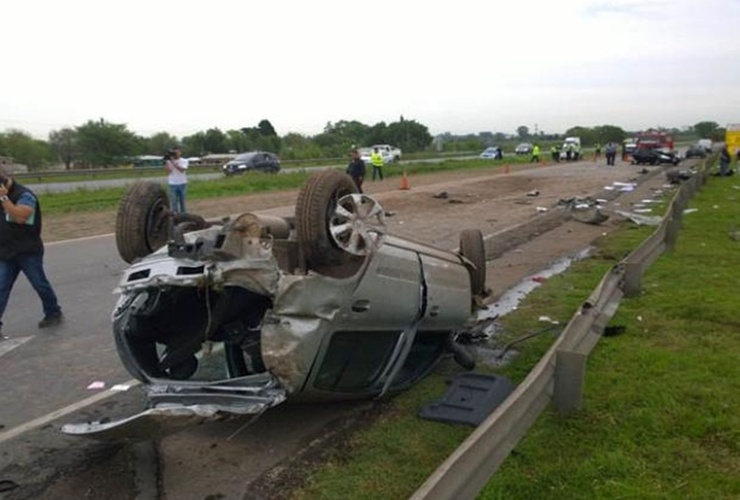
661, 416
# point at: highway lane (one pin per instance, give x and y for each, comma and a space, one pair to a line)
54, 366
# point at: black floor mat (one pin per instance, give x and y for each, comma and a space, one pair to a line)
470, 399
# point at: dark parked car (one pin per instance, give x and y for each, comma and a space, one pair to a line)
524, 148
257, 161
654, 156
235, 316
695, 151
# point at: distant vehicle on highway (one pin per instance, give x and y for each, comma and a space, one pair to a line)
705, 144
654, 156
572, 144
630, 145
695, 151
524, 148
493, 153
389, 153
257, 161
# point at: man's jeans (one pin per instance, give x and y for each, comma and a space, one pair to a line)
32, 266
177, 197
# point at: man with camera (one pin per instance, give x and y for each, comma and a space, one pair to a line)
177, 178
21, 248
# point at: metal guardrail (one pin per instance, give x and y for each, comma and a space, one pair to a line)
559, 375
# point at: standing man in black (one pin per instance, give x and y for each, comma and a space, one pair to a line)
356, 169
21, 248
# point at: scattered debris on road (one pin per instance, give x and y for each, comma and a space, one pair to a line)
641, 220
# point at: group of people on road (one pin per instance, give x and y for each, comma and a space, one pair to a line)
573, 152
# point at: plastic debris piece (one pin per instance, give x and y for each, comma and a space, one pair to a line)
542, 209
534, 192
470, 398
548, 319
121, 387
98, 384
690, 210
609, 188
641, 220
643, 210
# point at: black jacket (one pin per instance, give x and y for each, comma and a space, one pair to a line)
16, 239
356, 168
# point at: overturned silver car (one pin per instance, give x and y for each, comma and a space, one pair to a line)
321, 306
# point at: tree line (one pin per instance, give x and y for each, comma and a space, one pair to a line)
99, 143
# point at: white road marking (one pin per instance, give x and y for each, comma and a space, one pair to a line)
75, 240
49, 417
207, 349
9, 344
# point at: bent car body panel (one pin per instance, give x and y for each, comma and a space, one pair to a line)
177, 406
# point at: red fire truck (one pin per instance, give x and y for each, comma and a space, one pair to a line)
658, 140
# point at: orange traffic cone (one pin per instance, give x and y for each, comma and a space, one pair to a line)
405, 181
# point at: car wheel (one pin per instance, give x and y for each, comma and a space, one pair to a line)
473, 249
357, 225
142, 222
314, 209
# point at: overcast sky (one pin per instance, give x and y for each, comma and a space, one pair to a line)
462, 66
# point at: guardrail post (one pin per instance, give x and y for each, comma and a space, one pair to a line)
671, 233
632, 279
570, 370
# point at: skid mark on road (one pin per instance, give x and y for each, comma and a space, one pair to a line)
8, 345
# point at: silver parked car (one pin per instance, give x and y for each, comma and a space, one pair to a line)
237, 316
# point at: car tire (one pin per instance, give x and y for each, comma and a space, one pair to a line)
142, 221
314, 208
473, 249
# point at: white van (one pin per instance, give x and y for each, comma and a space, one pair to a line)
575, 142
706, 144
